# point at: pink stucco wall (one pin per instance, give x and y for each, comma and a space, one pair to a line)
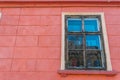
61, 0
30, 42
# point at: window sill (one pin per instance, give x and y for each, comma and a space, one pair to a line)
86, 72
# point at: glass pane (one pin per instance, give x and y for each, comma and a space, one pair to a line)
75, 42
91, 25
74, 25
93, 42
93, 59
75, 59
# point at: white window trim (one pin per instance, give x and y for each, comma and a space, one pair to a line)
0, 15
106, 45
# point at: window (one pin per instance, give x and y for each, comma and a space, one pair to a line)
84, 42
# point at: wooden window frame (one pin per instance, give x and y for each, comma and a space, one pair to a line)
106, 46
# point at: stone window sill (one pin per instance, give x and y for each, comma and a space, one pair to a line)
86, 72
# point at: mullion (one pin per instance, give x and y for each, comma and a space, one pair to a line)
84, 45
92, 33
81, 33
75, 33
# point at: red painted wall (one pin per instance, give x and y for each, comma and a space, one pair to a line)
61, 0
30, 41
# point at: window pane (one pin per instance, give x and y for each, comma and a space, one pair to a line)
75, 42
91, 25
93, 59
93, 42
75, 59
74, 25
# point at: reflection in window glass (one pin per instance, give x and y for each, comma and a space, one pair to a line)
75, 42
74, 25
75, 59
91, 25
93, 42
93, 59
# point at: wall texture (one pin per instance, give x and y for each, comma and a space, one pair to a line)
30, 42
60, 0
